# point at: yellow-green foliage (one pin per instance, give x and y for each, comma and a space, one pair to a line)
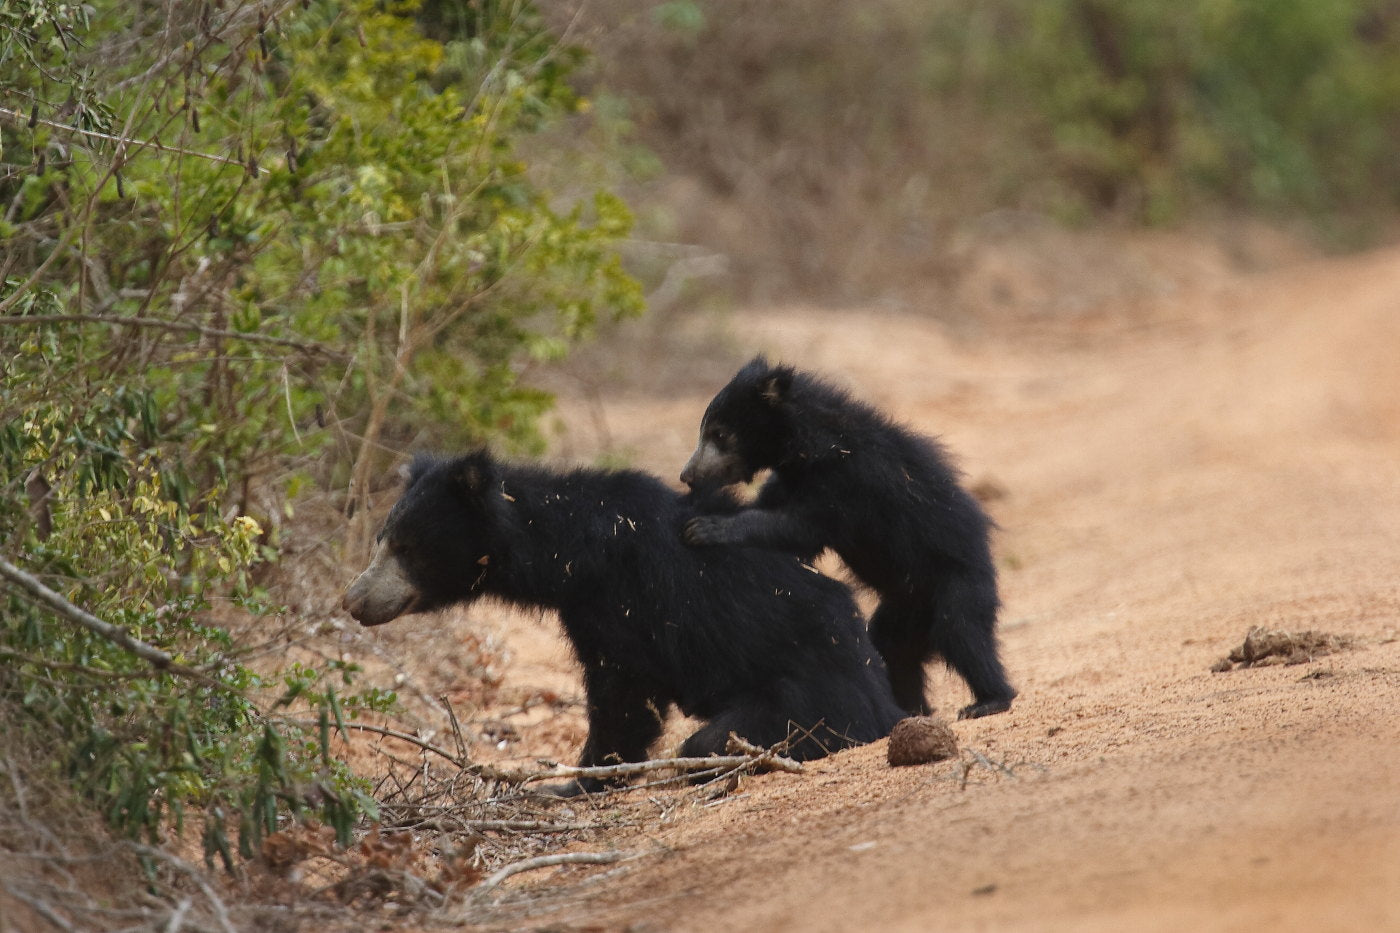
315, 237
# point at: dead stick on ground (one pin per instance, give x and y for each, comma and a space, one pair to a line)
177, 918
754, 756
547, 861
763, 759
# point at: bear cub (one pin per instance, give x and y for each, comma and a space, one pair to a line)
749, 641
845, 477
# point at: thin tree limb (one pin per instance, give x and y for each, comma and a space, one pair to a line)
177, 918
20, 658
40, 907
158, 659
85, 213
751, 756
12, 320
26, 119
395, 734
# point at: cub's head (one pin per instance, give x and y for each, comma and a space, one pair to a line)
744, 427
434, 549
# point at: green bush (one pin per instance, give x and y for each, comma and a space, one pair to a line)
249, 249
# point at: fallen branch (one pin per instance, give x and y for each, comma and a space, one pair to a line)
750, 756
177, 918
548, 861
483, 826
762, 759
40, 907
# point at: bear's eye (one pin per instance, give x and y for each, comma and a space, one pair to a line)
721, 438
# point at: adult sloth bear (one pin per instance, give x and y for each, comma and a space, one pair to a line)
883, 498
748, 640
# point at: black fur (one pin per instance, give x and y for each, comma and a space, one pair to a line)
749, 640
883, 498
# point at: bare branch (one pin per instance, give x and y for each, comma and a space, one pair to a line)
118, 636
177, 918
40, 907
195, 875
126, 141
12, 320
403, 736
750, 756
548, 861
761, 759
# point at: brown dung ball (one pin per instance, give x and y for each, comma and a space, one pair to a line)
921, 739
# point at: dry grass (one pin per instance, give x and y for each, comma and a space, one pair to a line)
60, 869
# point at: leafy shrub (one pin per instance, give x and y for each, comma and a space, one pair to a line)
239, 243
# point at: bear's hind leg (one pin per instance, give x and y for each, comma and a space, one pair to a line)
964, 634
901, 636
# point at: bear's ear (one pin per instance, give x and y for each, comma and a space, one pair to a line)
473, 472
775, 386
412, 472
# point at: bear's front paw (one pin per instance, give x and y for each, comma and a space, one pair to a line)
707, 529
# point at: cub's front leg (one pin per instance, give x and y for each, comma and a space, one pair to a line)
755, 528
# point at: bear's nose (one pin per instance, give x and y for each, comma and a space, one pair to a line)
352, 602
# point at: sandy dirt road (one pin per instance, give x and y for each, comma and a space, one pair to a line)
1227, 459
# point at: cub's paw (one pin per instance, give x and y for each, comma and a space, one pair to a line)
706, 529
985, 708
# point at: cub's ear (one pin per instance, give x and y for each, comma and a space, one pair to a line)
754, 370
776, 385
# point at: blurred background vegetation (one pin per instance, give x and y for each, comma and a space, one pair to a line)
839, 151
252, 250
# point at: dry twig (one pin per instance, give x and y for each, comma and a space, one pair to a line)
195, 875
548, 861
758, 759
402, 736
